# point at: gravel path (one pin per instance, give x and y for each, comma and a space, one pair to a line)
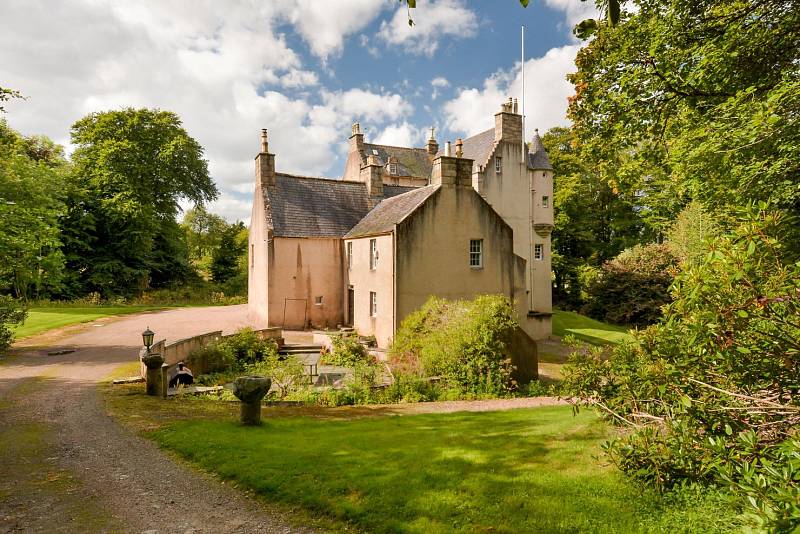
67, 467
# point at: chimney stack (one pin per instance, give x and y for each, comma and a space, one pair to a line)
265, 163
452, 172
508, 123
372, 176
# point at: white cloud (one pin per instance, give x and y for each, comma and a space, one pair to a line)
546, 93
438, 83
433, 20
403, 134
207, 61
325, 25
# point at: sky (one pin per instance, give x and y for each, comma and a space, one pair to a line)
303, 69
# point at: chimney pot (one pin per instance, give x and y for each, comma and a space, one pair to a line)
459, 146
447, 149
264, 143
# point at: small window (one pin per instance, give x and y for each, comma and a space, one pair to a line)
318, 300
374, 152
498, 164
545, 202
373, 304
349, 255
538, 252
476, 253
393, 168
252, 255
373, 254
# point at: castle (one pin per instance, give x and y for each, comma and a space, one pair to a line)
403, 224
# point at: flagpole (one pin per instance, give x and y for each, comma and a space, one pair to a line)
523, 93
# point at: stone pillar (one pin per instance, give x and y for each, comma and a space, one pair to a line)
153, 363
250, 390
164, 379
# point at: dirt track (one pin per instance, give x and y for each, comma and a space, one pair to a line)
67, 467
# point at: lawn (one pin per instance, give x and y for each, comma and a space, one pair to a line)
46, 318
532, 470
586, 329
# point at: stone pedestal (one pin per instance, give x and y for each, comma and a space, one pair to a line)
250, 390
153, 363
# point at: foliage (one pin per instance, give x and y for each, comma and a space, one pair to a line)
212, 358
246, 347
31, 170
6, 95
347, 351
229, 258
711, 392
131, 167
11, 313
696, 100
593, 220
633, 287
286, 374
690, 232
464, 342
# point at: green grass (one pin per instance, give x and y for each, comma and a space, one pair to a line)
530, 470
586, 329
41, 319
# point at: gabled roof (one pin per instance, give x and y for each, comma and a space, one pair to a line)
394, 190
299, 206
391, 211
477, 148
410, 161
537, 155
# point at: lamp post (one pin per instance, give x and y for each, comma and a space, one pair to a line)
147, 338
153, 363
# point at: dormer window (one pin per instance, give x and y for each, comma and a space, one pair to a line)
393, 168
498, 164
374, 152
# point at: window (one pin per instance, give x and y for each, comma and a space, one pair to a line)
476, 253
252, 255
545, 202
498, 164
373, 254
393, 168
374, 152
538, 252
373, 304
318, 300
349, 255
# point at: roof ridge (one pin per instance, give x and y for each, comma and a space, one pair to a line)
322, 178
395, 146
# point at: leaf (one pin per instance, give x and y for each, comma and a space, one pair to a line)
686, 401
728, 429
524, 3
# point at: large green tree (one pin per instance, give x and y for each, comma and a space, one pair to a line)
31, 179
688, 99
131, 168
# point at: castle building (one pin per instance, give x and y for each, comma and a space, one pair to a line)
401, 225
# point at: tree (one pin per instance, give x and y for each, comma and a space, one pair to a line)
226, 258
593, 222
31, 174
11, 313
710, 394
131, 168
695, 100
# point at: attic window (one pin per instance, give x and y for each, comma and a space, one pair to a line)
374, 152
393, 168
498, 164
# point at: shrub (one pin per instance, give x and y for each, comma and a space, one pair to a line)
285, 374
11, 313
211, 359
245, 347
632, 288
463, 342
710, 394
347, 351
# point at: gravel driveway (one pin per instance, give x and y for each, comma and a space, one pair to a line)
67, 467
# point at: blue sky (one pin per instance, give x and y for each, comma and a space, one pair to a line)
303, 69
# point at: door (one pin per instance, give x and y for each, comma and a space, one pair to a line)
351, 298
294, 314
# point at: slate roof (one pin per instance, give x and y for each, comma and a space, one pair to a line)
394, 190
410, 161
391, 211
299, 206
537, 155
477, 148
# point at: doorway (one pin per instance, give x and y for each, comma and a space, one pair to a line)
351, 298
